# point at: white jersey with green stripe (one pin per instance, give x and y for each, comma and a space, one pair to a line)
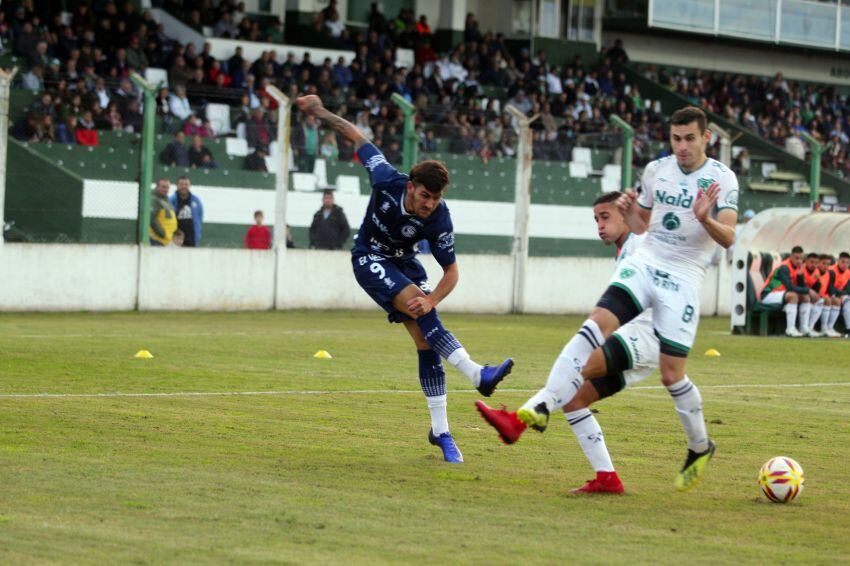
628, 249
677, 241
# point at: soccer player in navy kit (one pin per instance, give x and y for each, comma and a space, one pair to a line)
403, 210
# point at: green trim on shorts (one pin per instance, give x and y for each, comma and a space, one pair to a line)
622, 377
628, 352
644, 207
629, 291
671, 344
719, 208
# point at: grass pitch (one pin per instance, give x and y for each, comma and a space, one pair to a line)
336, 466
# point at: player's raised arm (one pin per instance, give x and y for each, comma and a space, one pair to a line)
721, 229
312, 105
635, 215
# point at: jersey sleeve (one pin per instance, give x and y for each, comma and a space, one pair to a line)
729, 191
443, 244
646, 198
380, 171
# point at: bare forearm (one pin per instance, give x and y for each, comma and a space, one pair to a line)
342, 126
719, 232
445, 286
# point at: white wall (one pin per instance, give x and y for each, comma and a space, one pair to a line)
37, 277
65, 277
206, 279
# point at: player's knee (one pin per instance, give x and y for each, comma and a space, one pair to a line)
805, 299
791, 298
615, 308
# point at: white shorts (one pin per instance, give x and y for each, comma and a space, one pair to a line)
674, 301
774, 298
639, 340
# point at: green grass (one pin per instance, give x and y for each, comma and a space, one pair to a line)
348, 476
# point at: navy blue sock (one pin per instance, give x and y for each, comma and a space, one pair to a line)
440, 339
432, 377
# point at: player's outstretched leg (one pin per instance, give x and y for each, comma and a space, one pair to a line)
484, 378
432, 378
565, 377
688, 401
589, 435
506, 423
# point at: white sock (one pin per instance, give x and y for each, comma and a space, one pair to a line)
590, 438
439, 415
845, 310
463, 363
816, 314
805, 311
824, 318
565, 377
833, 316
689, 407
790, 316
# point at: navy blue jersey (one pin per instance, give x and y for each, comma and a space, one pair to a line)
387, 229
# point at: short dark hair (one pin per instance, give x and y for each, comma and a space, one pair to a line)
431, 174
825, 256
689, 115
797, 250
258, 213
843, 255
182, 177
607, 197
812, 255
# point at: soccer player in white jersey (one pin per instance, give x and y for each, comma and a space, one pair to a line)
628, 356
688, 203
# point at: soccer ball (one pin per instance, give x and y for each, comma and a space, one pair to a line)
781, 479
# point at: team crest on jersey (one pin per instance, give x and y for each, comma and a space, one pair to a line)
408, 231
671, 221
703, 183
626, 272
386, 206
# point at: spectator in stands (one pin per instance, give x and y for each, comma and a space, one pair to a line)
329, 149
306, 142
190, 212
258, 129
178, 103
65, 131
258, 236
180, 73
163, 221
256, 161
334, 25
329, 229
178, 239
785, 287
33, 79
195, 126
175, 153
86, 133
200, 156
362, 124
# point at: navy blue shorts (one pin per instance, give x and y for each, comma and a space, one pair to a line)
383, 278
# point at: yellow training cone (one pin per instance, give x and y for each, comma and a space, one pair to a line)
322, 355
712, 352
143, 354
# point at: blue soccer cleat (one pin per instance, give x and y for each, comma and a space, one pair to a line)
492, 375
451, 453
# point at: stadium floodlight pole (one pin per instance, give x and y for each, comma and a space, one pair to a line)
814, 174
628, 148
5, 88
410, 150
281, 184
146, 157
725, 143
522, 205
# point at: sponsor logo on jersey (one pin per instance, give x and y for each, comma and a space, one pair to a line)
732, 199
683, 200
389, 282
446, 240
374, 161
379, 224
626, 272
386, 206
408, 231
425, 286
390, 197
662, 279
671, 221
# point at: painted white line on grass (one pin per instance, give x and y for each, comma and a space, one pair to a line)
373, 391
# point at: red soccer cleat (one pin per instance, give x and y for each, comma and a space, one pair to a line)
506, 423
605, 482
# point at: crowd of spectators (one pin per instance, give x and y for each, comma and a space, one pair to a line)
772, 107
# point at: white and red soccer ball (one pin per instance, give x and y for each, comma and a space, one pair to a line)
781, 479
